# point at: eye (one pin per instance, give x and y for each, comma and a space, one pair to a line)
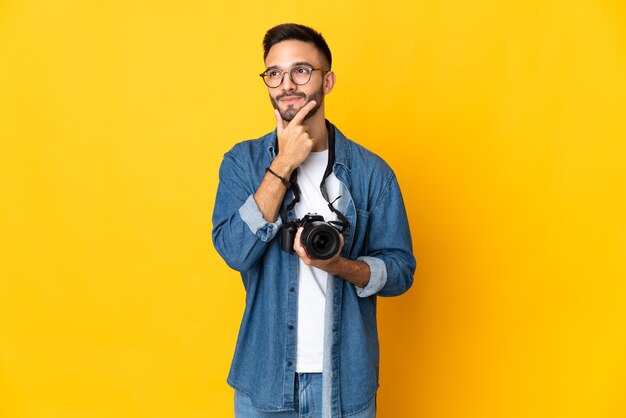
301, 70
274, 73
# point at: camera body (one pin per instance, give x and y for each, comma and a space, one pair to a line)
320, 238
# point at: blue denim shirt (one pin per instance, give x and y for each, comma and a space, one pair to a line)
264, 366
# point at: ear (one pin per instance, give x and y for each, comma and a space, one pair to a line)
329, 81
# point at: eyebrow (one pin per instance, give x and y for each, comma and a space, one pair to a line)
293, 64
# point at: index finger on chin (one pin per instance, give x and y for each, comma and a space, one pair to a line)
302, 113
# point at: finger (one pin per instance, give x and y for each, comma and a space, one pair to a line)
304, 256
297, 120
301, 251
280, 125
296, 241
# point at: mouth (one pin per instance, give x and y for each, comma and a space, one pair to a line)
291, 99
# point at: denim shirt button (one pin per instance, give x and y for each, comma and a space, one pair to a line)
292, 289
290, 327
289, 364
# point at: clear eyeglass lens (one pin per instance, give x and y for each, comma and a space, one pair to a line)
273, 77
299, 75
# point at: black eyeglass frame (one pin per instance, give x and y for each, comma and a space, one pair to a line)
282, 75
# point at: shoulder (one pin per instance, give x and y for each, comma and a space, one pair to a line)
252, 150
361, 161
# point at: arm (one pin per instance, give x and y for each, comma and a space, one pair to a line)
294, 145
354, 271
388, 264
245, 220
389, 249
240, 232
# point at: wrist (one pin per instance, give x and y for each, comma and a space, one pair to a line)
337, 266
282, 167
354, 271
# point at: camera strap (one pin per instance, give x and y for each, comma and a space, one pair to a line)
343, 223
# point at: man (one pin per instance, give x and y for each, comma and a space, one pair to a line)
308, 343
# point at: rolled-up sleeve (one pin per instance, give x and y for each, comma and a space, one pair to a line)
252, 216
378, 276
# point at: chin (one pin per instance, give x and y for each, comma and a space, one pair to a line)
289, 113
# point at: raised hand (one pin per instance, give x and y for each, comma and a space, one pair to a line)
294, 142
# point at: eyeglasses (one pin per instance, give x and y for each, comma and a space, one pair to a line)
300, 75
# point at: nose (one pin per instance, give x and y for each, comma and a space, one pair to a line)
287, 83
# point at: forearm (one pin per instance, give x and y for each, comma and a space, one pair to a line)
271, 191
354, 271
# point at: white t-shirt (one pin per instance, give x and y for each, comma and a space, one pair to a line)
312, 281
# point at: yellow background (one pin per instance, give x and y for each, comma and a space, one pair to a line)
505, 122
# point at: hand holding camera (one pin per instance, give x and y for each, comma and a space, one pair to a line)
320, 239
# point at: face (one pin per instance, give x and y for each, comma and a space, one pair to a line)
289, 97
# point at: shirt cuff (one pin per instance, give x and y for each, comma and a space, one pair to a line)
252, 216
378, 276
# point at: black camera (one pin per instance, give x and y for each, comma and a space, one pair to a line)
320, 239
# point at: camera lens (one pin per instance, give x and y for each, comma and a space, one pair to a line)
320, 240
